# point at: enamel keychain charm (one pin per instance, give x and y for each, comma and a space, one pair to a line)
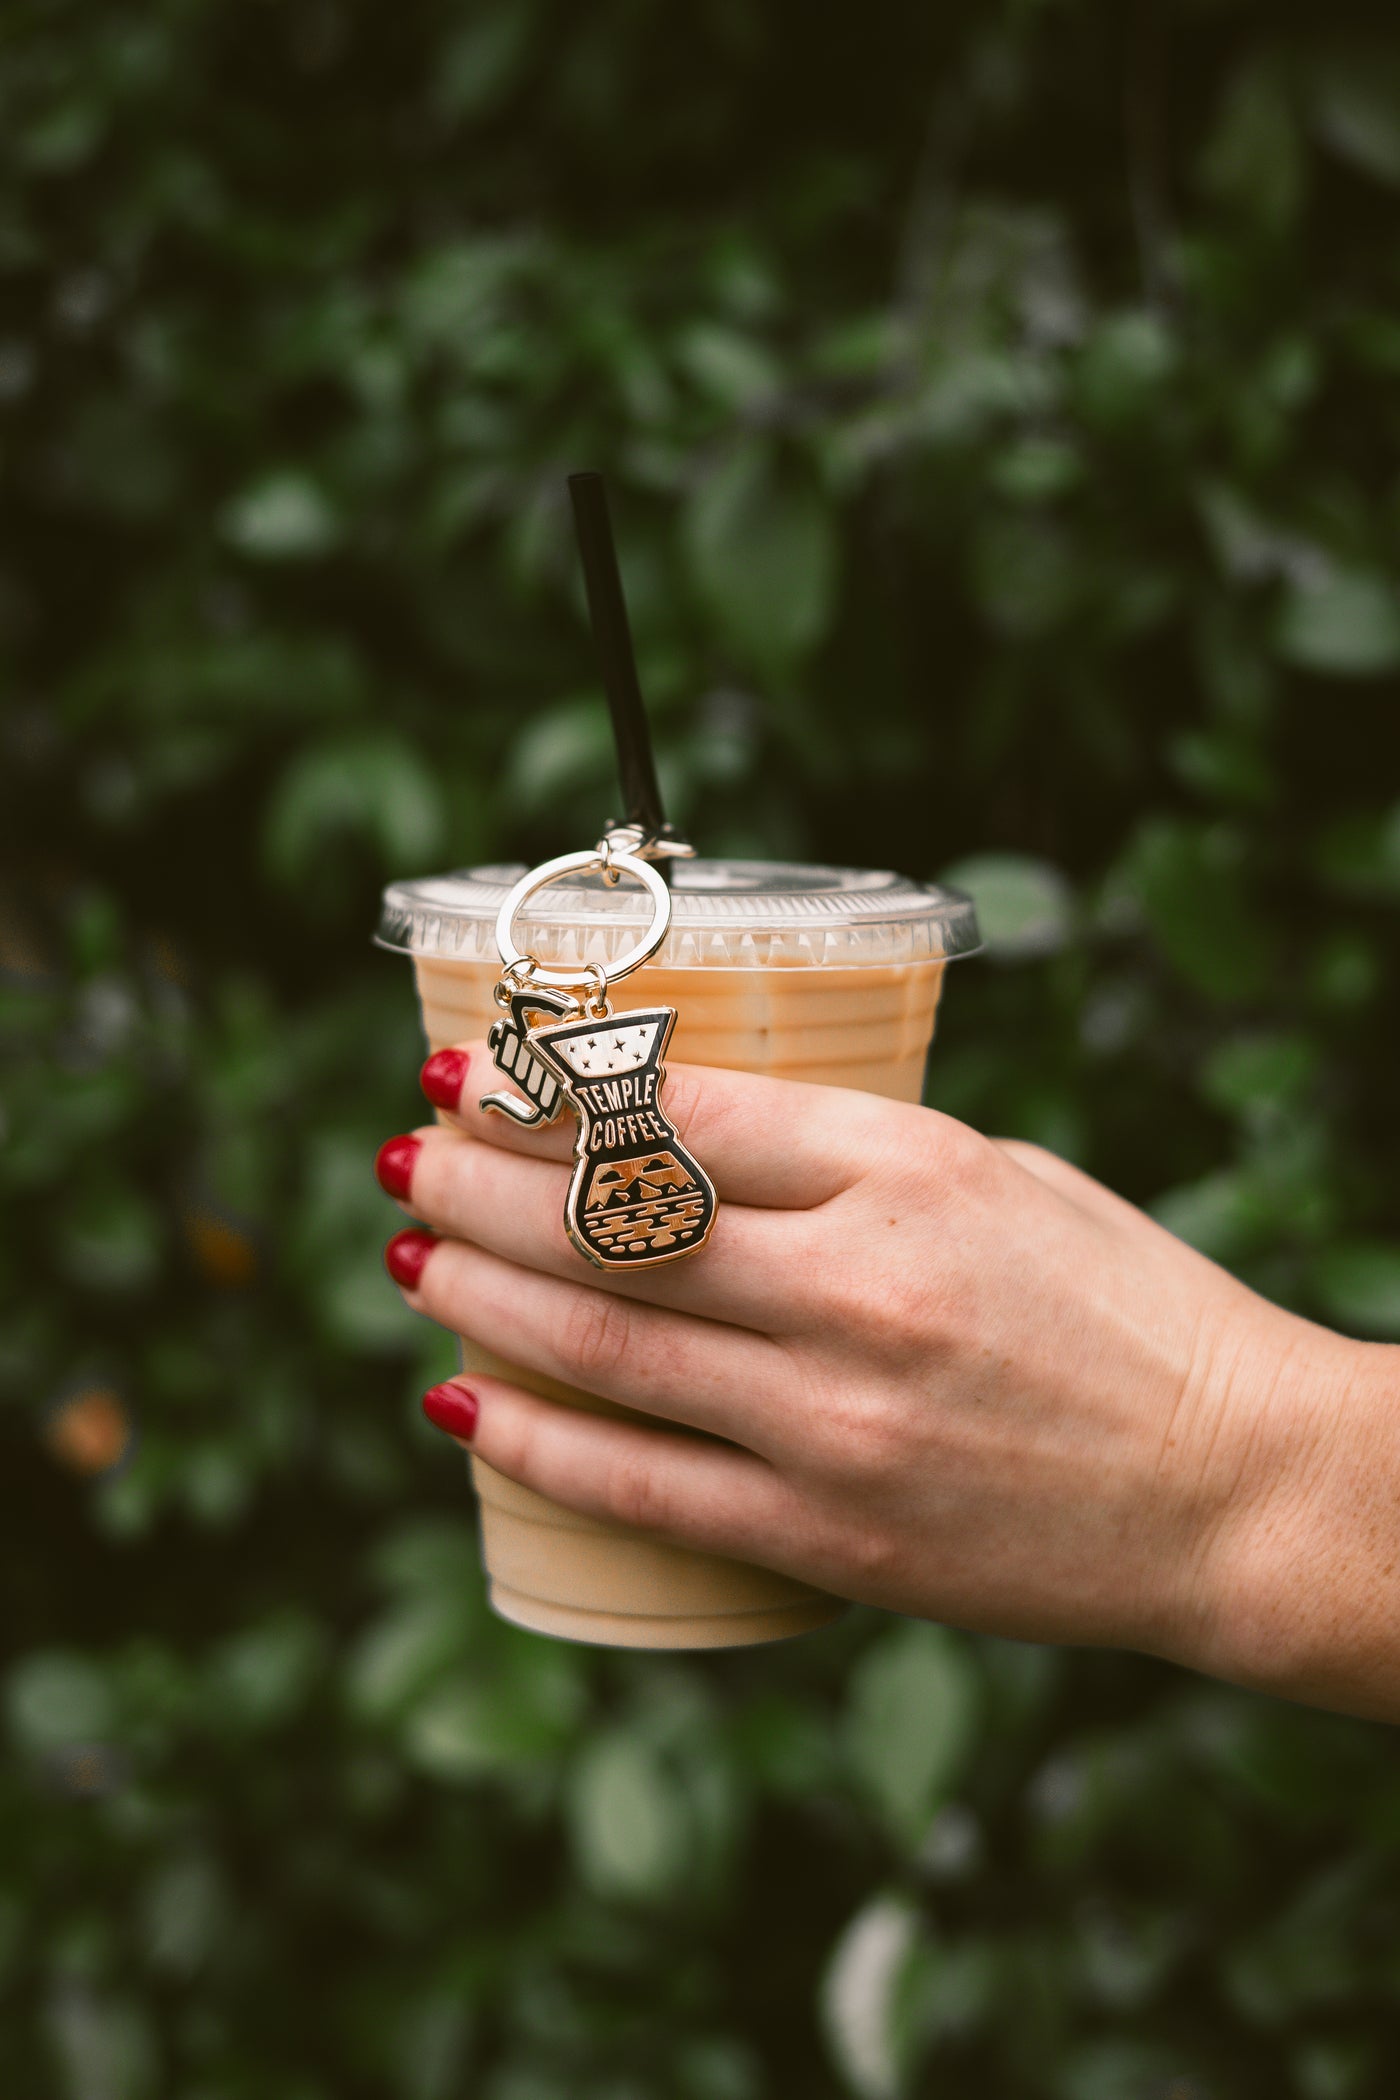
636, 1196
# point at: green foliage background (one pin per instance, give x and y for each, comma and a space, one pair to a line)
1000, 406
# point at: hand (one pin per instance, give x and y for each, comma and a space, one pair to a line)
953, 1377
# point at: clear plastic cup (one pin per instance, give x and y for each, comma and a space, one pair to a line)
830, 975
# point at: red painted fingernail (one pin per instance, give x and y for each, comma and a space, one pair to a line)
444, 1076
453, 1408
405, 1255
394, 1163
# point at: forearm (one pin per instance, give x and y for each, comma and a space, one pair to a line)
1303, 1589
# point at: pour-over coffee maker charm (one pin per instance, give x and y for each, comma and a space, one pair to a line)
636, 1196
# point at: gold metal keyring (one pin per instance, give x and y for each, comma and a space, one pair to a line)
636, 1195
608, 861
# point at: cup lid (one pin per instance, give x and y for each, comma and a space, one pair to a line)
724, 913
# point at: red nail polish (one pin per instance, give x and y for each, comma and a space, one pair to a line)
443, 1078
405, 1255
453, 1408
394, 1163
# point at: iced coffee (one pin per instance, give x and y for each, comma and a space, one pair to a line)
829, 975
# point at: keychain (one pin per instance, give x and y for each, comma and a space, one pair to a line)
636, 1197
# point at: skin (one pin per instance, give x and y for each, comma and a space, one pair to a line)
954, 1377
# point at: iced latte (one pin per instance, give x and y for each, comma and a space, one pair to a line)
829, 975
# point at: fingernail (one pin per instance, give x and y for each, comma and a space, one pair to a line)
394, 1163
444, 1076
453, 1408
405, 1255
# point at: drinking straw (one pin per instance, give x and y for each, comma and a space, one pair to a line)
612, 638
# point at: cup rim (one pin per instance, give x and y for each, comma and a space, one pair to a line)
713, 902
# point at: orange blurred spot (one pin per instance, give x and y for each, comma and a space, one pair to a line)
90, 1432
21, 954
87, 1770
223, 1253
168, 959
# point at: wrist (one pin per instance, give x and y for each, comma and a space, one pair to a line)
1296, 1586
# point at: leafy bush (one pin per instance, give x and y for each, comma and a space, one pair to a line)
996, 404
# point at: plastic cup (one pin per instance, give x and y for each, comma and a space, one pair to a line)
830, 975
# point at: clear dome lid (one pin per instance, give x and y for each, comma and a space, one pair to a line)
734, 914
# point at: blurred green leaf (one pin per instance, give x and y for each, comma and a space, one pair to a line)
373, 788
1343, 621
128, 467
62, 138
1225, 1214
407, 1650
285, 517
1024, 575
1305, 1957
1360, 853
1247, 544
1345, 972
111, 1238
909, 1724
1227, 768
732, 367
335, 1238
182, 698
1259, 1073
762, 554
104, 2045
360, 1307
1354, 94
1024, 906
264, 1675
1125, 2070
1128, 1952
215, 1484
1124, 366
627, 1819
1336, 2068
184, 1912
465, 1727
865, 1993
464, 1731
456, 298
56, 1697
567, 747
483, 60
1036, 470
426, 1559
1191, 882
1254, 160
1358, 1286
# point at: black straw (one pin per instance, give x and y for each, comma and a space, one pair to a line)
612, 638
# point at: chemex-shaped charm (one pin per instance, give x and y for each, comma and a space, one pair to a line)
637, 1196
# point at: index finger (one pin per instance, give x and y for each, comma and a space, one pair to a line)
781, 1144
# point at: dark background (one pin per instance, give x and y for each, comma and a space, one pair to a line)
1000, 408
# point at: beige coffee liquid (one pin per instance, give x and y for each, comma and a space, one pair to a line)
868, 1027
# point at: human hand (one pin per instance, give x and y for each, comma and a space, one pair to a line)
953, 1377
